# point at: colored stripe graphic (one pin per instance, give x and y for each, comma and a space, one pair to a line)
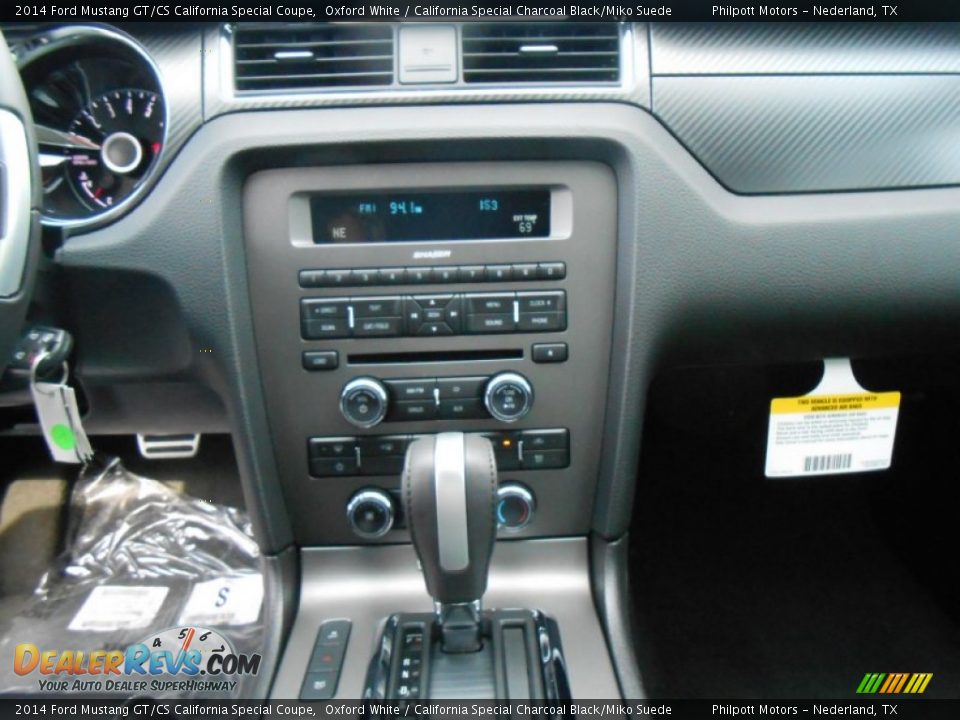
894, 683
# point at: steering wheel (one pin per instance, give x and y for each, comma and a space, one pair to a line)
20, 196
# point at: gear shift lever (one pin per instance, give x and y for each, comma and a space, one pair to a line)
450, 496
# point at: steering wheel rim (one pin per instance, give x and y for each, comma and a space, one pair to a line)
20, 198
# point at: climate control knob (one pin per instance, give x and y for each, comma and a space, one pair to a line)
364, 401
515, 506
508, 397
370, 513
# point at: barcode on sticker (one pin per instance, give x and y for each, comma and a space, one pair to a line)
817, 463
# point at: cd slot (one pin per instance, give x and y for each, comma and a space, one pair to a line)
442, 356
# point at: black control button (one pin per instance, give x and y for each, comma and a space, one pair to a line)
412, 389
452, 314
382, 445
323, 309
433, 302
364, 276
419, 275
334, 632
413, 410
378, 307
323, 329
524, 271
333, 467
551, 271
545, 459
337, 278
434, 329
549, 352
446, 274
321, 360
554, 301
505, 449
470, 273
461, 409
335, 447
542, 322
433, 315
378, 327
392, 276
556, 439
488, 303
480, 324
461, 387
388, 465
498, 273
412, 315
311, 278
318, 686
327, 658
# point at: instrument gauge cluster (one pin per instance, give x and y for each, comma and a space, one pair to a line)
101, 121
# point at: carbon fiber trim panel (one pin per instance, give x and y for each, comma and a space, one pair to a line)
816, 133
774, 48
177, 55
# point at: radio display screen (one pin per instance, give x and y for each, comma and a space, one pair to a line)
373, 217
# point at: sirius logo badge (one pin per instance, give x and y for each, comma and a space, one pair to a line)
431, 254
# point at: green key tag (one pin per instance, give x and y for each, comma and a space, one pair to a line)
56, 405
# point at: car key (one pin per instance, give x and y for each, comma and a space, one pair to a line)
51, 345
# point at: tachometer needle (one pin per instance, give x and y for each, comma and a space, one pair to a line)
57, 138
51, 160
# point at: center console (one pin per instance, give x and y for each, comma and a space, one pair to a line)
401, 301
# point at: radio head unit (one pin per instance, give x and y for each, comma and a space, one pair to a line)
401, 300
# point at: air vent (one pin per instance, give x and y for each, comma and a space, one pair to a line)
308, 56
541, 52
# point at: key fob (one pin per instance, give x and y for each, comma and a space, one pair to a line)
54, 343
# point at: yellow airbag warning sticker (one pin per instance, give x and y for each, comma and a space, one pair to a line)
838, 428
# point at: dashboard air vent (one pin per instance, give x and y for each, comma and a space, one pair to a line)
310, 56
541, 52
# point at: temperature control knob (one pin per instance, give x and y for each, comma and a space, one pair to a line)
363, 401
508, 397
515, 506
370, 513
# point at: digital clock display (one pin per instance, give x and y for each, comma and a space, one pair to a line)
430, 215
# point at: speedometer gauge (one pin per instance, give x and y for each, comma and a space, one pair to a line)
117, 138
100, 118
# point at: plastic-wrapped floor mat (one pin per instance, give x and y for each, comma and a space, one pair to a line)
157, 594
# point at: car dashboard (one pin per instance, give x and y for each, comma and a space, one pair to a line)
331, 240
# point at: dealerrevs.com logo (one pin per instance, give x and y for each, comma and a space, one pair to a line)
176, 660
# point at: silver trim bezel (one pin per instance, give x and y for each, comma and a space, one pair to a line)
15, 184
515, 379
450, 490
374, 386
375, 496
516, 490
69, 36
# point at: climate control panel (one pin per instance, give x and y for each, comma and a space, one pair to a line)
547, 449
367, 401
